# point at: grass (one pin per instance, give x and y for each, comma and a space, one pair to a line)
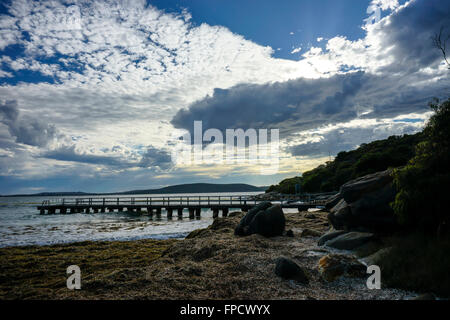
419, 263
38, 272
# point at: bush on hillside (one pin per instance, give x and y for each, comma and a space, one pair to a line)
368, 158
423, 185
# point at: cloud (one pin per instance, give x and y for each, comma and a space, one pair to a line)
399, 43
385, 4
303, 104
296, 50
32, 132
69, 153
396, 76
330, 140
154, 157
308, 101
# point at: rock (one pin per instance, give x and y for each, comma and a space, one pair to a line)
263, 220
332, 201
338, 214
350, 240
310, 233
425, 296
330, 235
355, 189
363, 204
245, 221
290, 233
376, 257
333, 266
289, 270
269, 223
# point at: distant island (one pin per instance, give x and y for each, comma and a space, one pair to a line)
180, 188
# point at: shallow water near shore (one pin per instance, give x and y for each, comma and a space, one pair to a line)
21, 224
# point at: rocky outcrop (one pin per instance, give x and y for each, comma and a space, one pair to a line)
363, 204
289, 270
263, 219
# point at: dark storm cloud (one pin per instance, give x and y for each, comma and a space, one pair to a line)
304, 104
273, 105
33, 132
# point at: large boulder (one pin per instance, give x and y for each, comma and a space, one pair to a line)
242, 227
264, 219
363, 204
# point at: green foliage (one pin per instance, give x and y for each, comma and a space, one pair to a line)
368, 158
287, 186
423, 184
417, 262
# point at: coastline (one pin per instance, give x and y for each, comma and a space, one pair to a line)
209, 263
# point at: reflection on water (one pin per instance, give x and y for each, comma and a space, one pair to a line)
21, 224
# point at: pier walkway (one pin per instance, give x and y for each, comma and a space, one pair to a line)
156, 205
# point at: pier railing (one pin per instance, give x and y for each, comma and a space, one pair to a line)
168, 201
169, 204
153, 201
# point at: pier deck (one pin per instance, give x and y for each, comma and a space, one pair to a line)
155, 205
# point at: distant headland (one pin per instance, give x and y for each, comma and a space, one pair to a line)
180, 188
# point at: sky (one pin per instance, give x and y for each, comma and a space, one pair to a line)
95, 95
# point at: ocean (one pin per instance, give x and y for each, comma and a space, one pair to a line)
21, 224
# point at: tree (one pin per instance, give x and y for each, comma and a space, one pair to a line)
439, 41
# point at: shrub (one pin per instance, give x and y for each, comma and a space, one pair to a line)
423, 185
417, 262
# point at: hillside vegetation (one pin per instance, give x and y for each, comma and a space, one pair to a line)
376, 156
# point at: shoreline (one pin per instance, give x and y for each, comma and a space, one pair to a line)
210, 263
109, 240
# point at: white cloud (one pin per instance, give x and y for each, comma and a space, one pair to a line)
296, 50
385, 4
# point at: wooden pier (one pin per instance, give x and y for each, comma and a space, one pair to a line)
156, 205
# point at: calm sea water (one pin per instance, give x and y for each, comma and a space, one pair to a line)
21, 223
